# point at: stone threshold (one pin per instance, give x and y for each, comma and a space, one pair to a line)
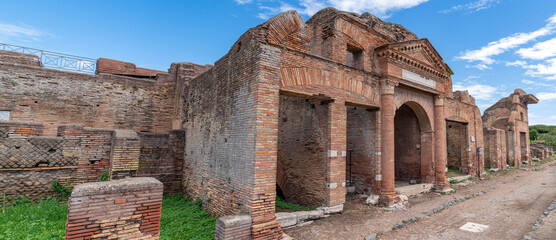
301, 218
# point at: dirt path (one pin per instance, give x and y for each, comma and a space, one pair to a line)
547, 229
509, 209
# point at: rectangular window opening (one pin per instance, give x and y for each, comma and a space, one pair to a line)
354, 56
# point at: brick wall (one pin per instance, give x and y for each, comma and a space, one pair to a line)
456, 135
407, 145
237, 227
162, 158
122, 209
302, 150
124, 159
107, 100
231, 120
30, 163
362, 145
495, 148
462, 109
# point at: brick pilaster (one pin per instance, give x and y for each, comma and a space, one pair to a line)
336, 165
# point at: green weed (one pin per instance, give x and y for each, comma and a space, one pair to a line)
281, 204
183, 219
63, 191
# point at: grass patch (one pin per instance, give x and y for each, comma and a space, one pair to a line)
24, 219
282, 205
183, 219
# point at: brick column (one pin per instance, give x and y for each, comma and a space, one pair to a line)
336, 165
441, 161
388, 195
124, 158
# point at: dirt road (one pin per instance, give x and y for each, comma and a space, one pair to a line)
514, 201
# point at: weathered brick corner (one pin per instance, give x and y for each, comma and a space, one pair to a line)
233, 227
126, 150
122, 209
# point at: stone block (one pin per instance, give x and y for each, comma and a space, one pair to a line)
286, 219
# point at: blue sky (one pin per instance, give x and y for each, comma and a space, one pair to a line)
493, 46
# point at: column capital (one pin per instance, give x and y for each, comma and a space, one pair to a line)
439, 100
387, 85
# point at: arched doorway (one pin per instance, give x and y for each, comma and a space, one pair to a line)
413, 150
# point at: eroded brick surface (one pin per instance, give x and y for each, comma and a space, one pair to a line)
510, 114
122, 209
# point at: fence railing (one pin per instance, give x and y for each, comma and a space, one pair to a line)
56, 60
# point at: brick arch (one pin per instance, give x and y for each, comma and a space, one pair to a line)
355, 89
426, 140
422, 102
422, 116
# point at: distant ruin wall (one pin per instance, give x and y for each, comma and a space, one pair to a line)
54, 97
463, 110
30, 163
495, 148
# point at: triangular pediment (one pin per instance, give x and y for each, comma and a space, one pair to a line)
421, 50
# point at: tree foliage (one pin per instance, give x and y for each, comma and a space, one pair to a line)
546, 133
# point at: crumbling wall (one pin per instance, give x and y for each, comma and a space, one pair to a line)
511, 115
111, 99
161, 157
231, 121
462, 109
456, 135
30, 163
302, 148
362, 145
123, 209
495, 148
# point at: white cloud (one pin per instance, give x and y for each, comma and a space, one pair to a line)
472, 6
545, 70
494, 48
478, 91
546, 96
380, 8
529, 82
241, 2
482, 66
8, 31
540, 50
516, 63
376, 7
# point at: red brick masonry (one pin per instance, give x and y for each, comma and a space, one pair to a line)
122, 209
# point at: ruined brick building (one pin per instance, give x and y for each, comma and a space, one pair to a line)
309, 108
302, 109
506, 127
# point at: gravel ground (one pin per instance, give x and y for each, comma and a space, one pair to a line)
515, 200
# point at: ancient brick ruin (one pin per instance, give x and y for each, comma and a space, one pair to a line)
138, 201
301, 109
509, 114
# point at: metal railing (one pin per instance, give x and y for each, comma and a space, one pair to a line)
56, 60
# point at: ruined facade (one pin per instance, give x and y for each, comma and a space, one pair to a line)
302, 110
307, 109
509, 114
